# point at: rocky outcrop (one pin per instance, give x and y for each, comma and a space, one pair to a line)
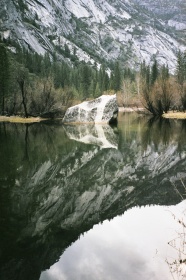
100, 110
129, 31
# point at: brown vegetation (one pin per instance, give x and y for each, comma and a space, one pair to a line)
17, 119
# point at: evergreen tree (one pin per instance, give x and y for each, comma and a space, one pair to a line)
154, 72
164, 72
22, 75
85, 80
46, 66
103, 79
117, 77
181, 77
106, 81
129, 74
92, 88
56, 71
143, 69
67, 51
148, 77
181, 68
97, 91
184, 65
4, 75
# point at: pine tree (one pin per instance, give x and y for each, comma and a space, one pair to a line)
164, 72
101, 78
85, 80
184, 65
97, 91
148, 77
143, 68
117, 77
46, 66
181, 68
106, 81
22, 76
4, 75
67, 51
154, 72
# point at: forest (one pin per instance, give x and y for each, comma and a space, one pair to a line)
35, 85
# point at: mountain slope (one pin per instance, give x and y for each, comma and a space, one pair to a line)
97, 30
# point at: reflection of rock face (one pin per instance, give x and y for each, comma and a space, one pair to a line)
54, 189
100, 135
98, 110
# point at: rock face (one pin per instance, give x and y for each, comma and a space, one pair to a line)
100, 110
129, 31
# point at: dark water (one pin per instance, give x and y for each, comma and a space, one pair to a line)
93, 202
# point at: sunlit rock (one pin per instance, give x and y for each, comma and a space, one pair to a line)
100, 135
100, 110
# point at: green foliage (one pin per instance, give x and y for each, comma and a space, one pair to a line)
31, 22
32, 84
129, 74
154, 72
156, 89
116, 77
181, 77
80, 24
164, 72
38, 82
181, 68
22, 5
4, 75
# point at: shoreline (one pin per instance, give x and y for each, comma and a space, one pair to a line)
18, 119
174, 115
169, 115
131, 109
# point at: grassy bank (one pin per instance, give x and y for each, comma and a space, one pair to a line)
174, 115
17, 119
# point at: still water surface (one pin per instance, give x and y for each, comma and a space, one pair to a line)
93, 202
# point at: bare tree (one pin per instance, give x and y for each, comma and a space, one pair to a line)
22, 75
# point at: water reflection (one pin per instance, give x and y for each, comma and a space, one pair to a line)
100, 135
54, 186
132, 246
177, 264
158, 131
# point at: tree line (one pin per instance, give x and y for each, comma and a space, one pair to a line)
154, 88
162, 91
32, 84
35, 85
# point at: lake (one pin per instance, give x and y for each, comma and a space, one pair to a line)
92, 201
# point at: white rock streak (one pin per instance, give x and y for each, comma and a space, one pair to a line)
101, 107
99, 135
99, 110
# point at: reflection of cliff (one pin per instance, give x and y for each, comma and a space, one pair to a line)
63, 187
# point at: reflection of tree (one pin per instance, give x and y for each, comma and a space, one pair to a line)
157, 131
26, 154
177, 266
164, 131
182, 134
